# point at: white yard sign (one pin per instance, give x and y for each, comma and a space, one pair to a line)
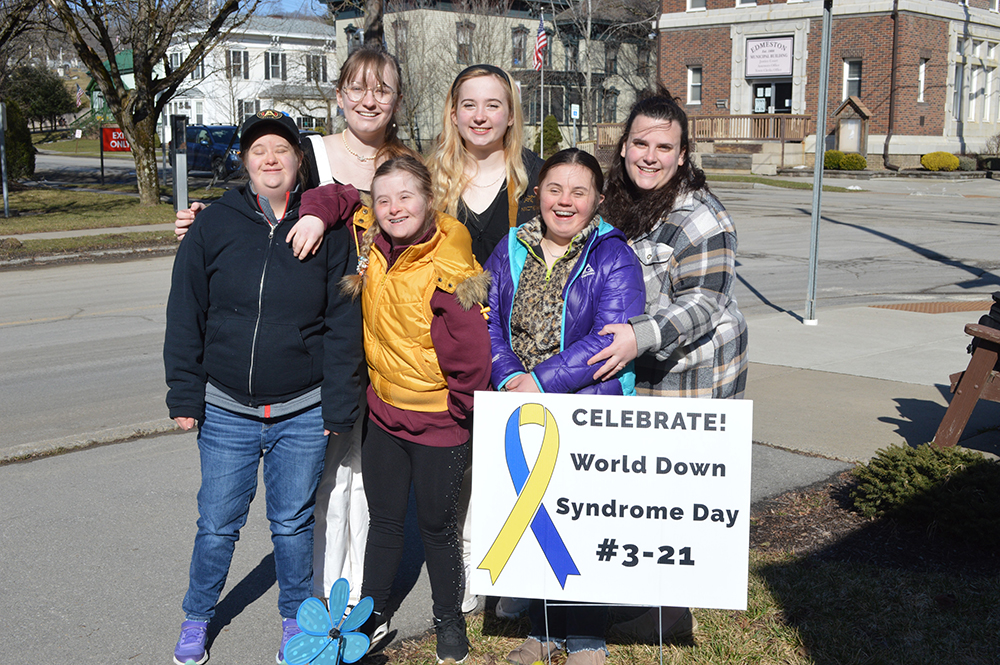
630, 500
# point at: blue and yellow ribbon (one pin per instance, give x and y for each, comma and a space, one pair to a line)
530, 488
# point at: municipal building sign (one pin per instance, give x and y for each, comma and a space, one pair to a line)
769, 57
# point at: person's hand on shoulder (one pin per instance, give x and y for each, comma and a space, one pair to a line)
185, 218
306, 236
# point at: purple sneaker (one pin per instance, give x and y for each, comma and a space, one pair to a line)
289, 629
191, 645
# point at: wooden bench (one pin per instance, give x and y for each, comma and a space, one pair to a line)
980, 380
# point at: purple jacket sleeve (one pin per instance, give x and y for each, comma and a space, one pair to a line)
621, 296
506, 364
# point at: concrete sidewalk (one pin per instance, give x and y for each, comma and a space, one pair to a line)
862, 379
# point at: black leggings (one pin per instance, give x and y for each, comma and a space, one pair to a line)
389, 465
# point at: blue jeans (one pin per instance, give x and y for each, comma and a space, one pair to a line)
231, 447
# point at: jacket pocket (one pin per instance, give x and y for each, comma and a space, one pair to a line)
283, 364
227, 351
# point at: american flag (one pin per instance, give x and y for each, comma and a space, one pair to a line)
540, 41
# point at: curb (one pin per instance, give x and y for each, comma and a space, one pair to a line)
79, 441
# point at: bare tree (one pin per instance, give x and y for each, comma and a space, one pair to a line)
17, 17
100, 30
610, 23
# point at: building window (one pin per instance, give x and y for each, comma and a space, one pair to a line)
354, 38
402, 30
995, 5
199, 70
921, 79
307, 122
852, 78
316, 68
610, 58
175, 61
956, 99
247, 107
642, 61
237, 64
696, 5
463, 36
610, 106
976, 91
519, 46
571, 53
746, 3
694, 85
274, 66
199, 113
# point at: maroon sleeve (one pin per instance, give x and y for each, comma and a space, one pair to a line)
462, 344
332, 203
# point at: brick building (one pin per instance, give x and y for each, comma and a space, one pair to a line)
762, 58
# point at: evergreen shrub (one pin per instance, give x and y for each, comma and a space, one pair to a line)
852, 161
832, 159
20, 151
954, 492
939, 161
966, 163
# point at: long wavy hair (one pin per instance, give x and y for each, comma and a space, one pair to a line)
633, 210
366, 61
447, 164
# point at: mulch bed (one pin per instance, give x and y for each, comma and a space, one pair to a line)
818, 522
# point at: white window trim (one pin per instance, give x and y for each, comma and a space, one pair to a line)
700, 86
746, 3
847, 69
921, 79
702, 9
995, 5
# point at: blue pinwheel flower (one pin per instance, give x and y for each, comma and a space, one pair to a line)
324, 639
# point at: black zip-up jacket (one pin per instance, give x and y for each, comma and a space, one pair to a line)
261, 325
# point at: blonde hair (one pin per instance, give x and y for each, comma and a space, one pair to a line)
447, 164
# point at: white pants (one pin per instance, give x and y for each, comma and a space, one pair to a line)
341, 515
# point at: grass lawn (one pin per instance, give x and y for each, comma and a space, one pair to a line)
800, 610
60, 210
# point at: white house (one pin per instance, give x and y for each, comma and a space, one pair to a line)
287, 64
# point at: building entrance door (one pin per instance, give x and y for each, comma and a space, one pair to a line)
772, 97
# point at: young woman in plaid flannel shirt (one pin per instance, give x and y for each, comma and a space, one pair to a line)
692, 339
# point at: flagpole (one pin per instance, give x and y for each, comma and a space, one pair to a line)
541, 94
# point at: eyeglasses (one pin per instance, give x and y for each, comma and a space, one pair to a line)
356, 93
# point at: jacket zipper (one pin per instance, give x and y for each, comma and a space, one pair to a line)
260, 305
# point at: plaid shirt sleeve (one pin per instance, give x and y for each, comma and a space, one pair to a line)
689, 267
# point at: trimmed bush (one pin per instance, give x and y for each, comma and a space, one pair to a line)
832, 159
939, 161
952, 491
20, 151
852, 161
966, 163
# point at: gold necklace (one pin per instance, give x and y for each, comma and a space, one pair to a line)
502, 174
348, 148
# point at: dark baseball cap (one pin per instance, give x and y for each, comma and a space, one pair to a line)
262, 121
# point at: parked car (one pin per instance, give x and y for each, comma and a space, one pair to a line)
213, 148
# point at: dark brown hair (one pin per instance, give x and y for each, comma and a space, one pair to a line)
574, 156
630, 208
